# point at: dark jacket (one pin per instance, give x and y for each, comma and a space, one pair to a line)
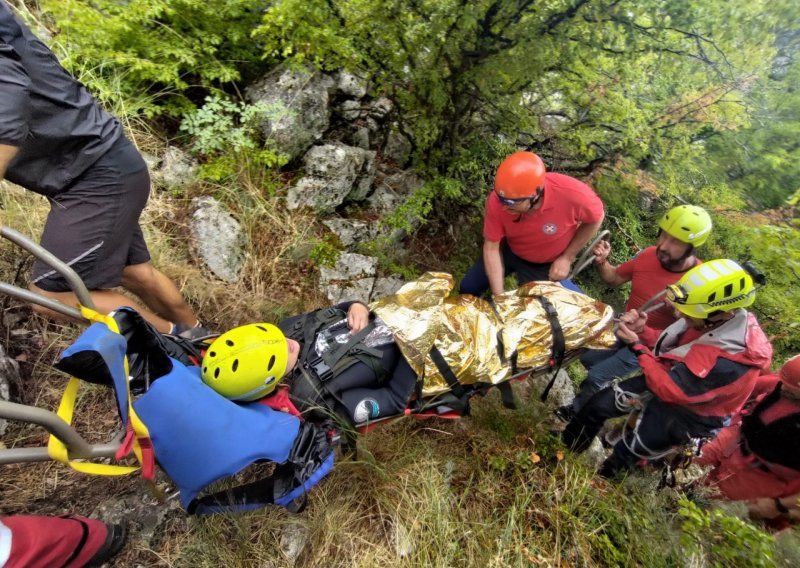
59, 128
375, 382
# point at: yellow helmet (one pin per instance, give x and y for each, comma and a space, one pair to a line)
247, 362
717, 285
687, 223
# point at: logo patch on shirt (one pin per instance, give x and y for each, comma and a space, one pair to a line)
550, 228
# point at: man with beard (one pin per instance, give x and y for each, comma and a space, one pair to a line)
682, 229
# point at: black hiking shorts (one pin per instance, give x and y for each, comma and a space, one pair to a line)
93, 226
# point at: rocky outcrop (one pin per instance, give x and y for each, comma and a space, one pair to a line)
334, 172
305, 96
176, 169
218, 238
351, 278
345, 147
351, 232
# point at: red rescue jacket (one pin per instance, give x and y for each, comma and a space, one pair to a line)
740, 472
710, 388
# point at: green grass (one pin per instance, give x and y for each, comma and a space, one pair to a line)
463, 493
493, 489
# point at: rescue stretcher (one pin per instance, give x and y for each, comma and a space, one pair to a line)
67, 445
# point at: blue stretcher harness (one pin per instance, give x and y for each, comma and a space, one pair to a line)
199, 437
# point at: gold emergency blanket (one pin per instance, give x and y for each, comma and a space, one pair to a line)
465, 329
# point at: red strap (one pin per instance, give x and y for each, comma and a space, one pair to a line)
279, 400
127, 443
148, 459
146, 447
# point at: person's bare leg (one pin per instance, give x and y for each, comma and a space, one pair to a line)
158, 292
105, 301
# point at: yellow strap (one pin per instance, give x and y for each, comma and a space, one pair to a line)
58, 451
138, 426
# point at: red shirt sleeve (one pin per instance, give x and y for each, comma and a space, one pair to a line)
492, 226
625, 270
592, 207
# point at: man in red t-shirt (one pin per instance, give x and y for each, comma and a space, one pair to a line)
682, 229
535, 225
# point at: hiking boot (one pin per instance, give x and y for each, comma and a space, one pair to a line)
564, 413
115, 540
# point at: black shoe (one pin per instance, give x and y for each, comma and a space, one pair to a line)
115, 540
193, 333
564, 413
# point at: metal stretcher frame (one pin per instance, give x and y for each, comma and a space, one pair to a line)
77, 447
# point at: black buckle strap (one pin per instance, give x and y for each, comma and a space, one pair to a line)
559, 343
447, 373
321, 370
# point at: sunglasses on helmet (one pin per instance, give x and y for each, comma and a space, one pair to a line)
505, 201
511, 202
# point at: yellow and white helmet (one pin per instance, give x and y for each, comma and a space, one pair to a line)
717, 285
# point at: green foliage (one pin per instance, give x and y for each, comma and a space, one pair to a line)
775, 250
226, 134
325, 251
419, 205
462, 73
162, 48
723, 540
222, 124
762, 161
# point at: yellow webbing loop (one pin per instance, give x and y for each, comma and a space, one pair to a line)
56, 448
58, 451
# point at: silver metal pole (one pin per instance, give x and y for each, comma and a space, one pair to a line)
50, 421
587, 257
50, 259
77, 447
34, 298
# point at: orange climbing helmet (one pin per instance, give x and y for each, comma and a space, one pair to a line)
520, 176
